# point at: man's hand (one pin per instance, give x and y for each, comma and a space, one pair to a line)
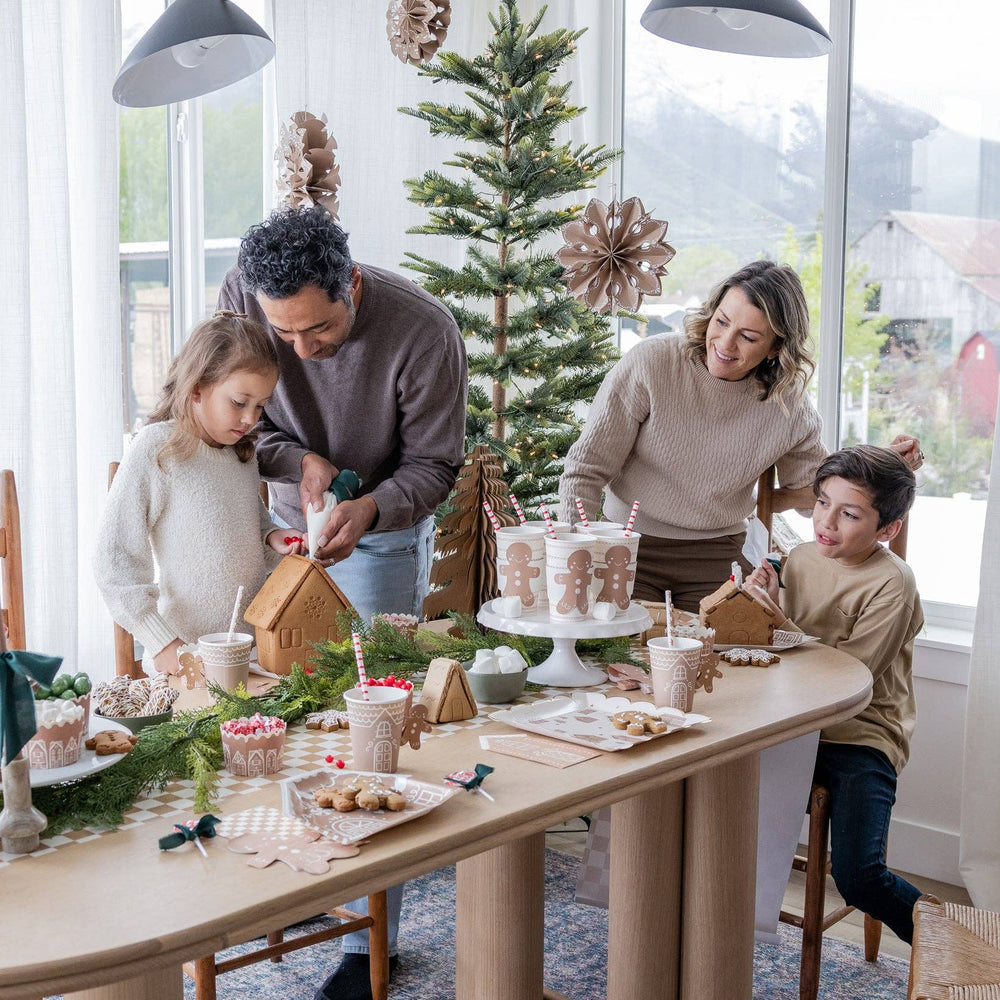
166, 661
317, 474
348, 522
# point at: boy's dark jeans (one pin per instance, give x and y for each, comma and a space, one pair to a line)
862, 786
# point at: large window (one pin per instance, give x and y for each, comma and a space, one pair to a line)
192, 180
731, 150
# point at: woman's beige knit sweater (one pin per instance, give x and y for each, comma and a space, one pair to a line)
688, 445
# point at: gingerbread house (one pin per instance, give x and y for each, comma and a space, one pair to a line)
738, 618
297, 606
446, 692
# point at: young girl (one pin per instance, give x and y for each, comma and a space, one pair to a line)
186, 501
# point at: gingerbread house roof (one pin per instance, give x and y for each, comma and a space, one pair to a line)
281, 587
727, 592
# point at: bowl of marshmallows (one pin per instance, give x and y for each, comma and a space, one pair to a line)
496, 675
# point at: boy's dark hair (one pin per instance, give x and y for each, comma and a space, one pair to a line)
887, 479
293, 248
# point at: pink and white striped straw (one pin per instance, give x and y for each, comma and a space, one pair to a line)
517, 509
493, 518
548, 520
583, 513
362, 676
631, 519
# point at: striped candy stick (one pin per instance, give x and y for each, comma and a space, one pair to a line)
493, 518
631, 519
548, 520
362, 676
517, 509
583, 513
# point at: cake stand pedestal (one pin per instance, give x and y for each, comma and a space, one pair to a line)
564, 668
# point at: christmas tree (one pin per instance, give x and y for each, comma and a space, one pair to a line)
464, 576
533, 359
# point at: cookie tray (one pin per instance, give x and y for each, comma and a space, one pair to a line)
585, 718
359, 824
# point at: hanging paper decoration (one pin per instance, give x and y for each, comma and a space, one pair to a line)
416, 28
614, 255
308, 173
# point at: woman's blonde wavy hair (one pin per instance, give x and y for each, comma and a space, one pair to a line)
775, 289
218, 347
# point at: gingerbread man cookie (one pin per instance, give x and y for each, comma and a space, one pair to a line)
616, 576
519, 573
109, 741
576, 581
414, 724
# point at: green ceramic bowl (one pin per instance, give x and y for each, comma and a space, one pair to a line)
136, 722
495, 689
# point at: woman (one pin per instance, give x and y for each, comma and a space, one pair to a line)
686, 425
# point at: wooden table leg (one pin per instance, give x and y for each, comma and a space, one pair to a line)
500, 922
645, 895
161, 984
720, 867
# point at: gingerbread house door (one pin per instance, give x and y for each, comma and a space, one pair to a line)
383, 747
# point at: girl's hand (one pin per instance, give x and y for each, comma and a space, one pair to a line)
765, 579
166, 661
288, 542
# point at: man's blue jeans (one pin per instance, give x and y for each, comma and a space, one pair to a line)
387, 571
862, 786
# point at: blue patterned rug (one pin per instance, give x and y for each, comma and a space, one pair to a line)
575, 950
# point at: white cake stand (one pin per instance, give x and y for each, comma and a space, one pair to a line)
564, 668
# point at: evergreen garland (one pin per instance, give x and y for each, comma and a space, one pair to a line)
550, 353
189, 746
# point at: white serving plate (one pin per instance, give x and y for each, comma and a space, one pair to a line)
782, 640
88, 764
585, 718
359, 824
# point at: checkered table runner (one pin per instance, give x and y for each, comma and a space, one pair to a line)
305, 750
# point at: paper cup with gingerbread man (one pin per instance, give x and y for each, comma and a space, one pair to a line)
569, 571
521, 565
615, 553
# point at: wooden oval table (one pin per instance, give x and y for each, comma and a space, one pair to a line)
114, 917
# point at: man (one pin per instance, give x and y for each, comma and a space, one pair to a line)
373, 378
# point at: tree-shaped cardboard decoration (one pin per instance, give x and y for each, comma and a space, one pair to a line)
464, 573
546, 352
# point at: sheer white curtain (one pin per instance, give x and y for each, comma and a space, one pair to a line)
980, 826
60, 341
335, 59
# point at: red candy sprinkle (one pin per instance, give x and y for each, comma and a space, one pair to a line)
308, 671
329, 758
338, 763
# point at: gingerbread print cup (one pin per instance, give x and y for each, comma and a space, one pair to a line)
615, 554
521, 564
376, 726
673, 665
569, 563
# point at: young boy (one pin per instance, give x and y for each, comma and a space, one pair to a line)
854, 594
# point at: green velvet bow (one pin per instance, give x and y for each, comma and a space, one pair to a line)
205, 827
17, 701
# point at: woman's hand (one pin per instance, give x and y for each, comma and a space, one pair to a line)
166, 661
908, 449
765, 581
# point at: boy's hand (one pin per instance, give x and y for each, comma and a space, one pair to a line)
908, 449
765, 579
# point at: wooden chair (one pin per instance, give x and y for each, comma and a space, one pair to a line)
956, 952
205, 970
126, 665
816, 862
11, 575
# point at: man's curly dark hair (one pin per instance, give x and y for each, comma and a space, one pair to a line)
293, 248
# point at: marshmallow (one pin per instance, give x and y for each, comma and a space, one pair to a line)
510, 607
510, 661
604, 611
60, 712
486, 662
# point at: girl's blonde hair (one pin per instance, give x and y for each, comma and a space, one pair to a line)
775, 289
218, 347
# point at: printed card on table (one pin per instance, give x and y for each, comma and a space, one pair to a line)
538, 749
